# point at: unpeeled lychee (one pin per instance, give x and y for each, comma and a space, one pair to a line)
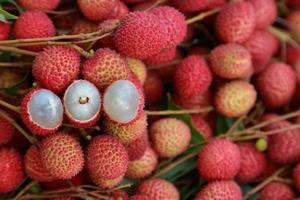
137, 148
7, 131
56, 67
197, 102
191, 5
117, 194
162, 57
293, 20
277, 191
138, 68
153, 88
120, 10
44, 5
296, 176
4, 30
220, 159
107, 183
139, 197
202, 126
292, 55
96, 10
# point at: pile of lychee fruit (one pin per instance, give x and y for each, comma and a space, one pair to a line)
150, 99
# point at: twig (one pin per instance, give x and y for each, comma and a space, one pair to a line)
179, 112
235, 125
16, 50
25, 189
15, 64
203, 15
173, 62
10, 106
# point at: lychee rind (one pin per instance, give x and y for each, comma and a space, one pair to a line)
56, 67
220, 190
158, 189
220, 159
138, 68
11, 168
119, 194
4, 30
153, 88
235, 98
137, 148
7, 131
62, 155
277, 191
192, 77
170, 137
163, 57
96, 10
107, 183
191, 5
197, 102
296, 176
202, 126
276, 84
236, 22
44, 5
139, 197
120, 10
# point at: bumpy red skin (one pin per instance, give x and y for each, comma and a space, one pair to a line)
11, 168
158, 189
108, 41
96, 10
276, 84
62, 155
277, 191
174, 23
192, 77
33, 24
83, 26
7, 131
137, 148
236, 22
197, 102
253, 163
202, 126
293, 55
140, 197
231, 61
296, 176
220, 190
34, 127
162, 58
34, 166
56, 67
120, 194
63, 198
4, 30
106, 158
191, 5
153, 88
140, 35
120, 10
134, 1
283, 147
105, 67
228, 156
39, 4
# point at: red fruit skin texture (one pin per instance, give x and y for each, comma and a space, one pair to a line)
153, 88
192, 77
120, 10
202, 126
277, 191
293, 20
105, 67
83, 26
220, 190
63, 198
236, 22
276, 85
283, 147
96, 10
107, 42
252, 163
33, 24
43, 5
137, 148
120, 194
158, 189
62, 155
34, 167
296, 176
191, 5
7, 131
196, 102
140, 35
56, 67
11, 168
4, 30
293, 55
220, 159
174, 23
140, 197
163, 57
106, 158
134, 1
34, 128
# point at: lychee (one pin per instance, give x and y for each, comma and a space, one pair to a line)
153, 88
197, 102
4, 30
107, 183
120, 10
202, 126
137, 148
62, 155
163, 57
235, 98
82, 103
191, 5
138, 68
83, 26
139, 197
108, 41
63, 198
42, 111
293, 20
134, 1
296, 176
277, 191
292, 55
220, 159
7, 131
44, 5
56, 67
117, 194
96, 10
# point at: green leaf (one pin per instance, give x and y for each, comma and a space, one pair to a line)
190, 191
35, 189
7, 15
5, 56
223, 124
15, 88
13, 2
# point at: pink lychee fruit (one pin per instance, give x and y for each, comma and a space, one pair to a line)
137, 148
44, 5
153, 88
7, 131
4, 30
200, 123
277, 191
96, 10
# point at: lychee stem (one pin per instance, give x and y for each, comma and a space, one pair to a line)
17, 50
25, 189
10, 106
155, 4
203, 15
231, 130
283, 36
83, 100
173, 62
15, 64
179, 112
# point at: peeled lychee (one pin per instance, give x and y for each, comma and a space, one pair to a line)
153, 88
138, 68
96, 10
158, 189
42, 111
62, 155
202, 126
11, 168
235, 98
137, 148
220, 190
7, 131
56, 67
4, 30
170, 137
44, 5
276, 84
220, 159
277, 191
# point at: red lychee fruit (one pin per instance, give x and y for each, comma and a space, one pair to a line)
119, 194
236, 22
276, 84
56, 67
83, 26
108, 41
105, 67
277, 191
202, 126
153, 88
42, 111
140, 35
62, 155
120, 10
293, 20
134, 1
7, 131
4, 30
191, 5
33, 24
137, 148
296, 176
144, 166
200, 51
96, 10
158, 189
192, 77
253, 163
107, 183
220, 190
163, 57
11, 168
220, 159
292, 54
235, 98
34, 166
231, 61
170, 137
138, 68
139, 197
44, 5
197, 102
